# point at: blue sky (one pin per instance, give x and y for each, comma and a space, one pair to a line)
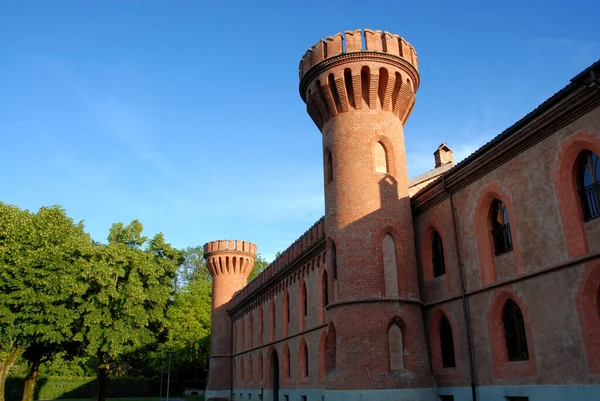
186, 114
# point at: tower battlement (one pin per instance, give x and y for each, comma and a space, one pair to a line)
229, 245
351, 41
230, 257
342, 73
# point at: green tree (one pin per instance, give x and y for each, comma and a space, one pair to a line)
189, 326
130, 286
42, 285
192, 268
260, 264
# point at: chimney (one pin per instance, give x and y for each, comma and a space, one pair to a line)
443, 156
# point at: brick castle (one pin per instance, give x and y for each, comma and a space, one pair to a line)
475, 281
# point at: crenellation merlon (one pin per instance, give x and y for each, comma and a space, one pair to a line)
314, 234
375, 41
230, 245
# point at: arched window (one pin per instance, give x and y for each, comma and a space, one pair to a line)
447, 342
500, 227
260, 325
589, 188
287, 306
329, 167
242, 369
242, 334
234, 339
235, 378
250, 368
272, 325
333, 260
251, 330
390, 267
439, 267
305, 358
514, 332
325, 289
286, 362
330, 347
381, 159
395, 347
304, 300
259, 373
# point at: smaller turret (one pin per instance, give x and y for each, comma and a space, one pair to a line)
229, 263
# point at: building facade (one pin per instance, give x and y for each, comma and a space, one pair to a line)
475, 281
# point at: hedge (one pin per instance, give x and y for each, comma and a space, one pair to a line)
50, 388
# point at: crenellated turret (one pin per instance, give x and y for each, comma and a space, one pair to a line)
230, 257
380, 73
360, 93
229, 263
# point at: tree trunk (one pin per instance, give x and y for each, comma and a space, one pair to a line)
100, 390
30, 380
5, 366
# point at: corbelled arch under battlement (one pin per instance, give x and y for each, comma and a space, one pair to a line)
379, 74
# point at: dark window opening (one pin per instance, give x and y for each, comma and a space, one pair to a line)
588, 185
514, 332
517, 398
289, 364
447, 342
333, 261
305, 300
305, 360
325, 290
446, 398
439, 267
501, 228
287, 306
329, 171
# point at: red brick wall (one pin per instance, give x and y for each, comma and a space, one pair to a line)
548, 231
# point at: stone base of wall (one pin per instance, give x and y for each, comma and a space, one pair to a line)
486, 393
535, 393
427, 394
217, 395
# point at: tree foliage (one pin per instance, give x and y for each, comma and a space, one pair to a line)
73, 306
130, 285
45, 255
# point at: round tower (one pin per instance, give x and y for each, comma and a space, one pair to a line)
360, 94
229, 262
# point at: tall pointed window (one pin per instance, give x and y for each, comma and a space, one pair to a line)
305, 300
501, 227
329, 166
325, 289
303, 358
395, 346
272, 322
333, 260
589, 188
514, 332
381, 158
390, 267
447, 343
439, 266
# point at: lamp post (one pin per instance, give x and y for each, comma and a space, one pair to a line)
169, 353
162, 368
